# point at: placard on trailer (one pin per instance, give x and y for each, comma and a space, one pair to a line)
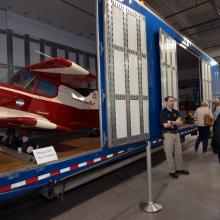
168, 67
126, 74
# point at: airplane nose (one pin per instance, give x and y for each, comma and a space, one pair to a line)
19, 102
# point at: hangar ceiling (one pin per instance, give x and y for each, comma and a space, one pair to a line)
74, 16
199, 20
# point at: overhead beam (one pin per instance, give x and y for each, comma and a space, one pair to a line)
217, 45
215, 7
216, 57
199, 24
187, 9
203, 31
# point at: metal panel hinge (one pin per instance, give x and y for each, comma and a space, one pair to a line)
103, 96
105, 139
101, 49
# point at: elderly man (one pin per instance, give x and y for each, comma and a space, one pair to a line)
203, 128
216, 109
169, 118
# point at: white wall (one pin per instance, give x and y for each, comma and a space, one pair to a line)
3, 16
36, 29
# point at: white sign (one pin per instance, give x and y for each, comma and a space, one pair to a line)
44, 155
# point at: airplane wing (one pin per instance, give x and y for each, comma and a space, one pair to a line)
27, 122
63, 71
23, 121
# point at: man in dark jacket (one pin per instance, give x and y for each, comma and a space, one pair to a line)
169, 118
216, 137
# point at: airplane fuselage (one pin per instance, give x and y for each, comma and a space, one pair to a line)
20, 108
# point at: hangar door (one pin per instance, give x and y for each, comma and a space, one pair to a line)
126, 74
168, 67
206, 81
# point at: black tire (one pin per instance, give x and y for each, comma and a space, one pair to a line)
28, 147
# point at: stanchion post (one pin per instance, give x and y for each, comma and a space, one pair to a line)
150, 206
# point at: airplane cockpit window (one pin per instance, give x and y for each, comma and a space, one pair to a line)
45, 88
24, 80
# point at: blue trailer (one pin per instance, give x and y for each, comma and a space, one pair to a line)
138, 58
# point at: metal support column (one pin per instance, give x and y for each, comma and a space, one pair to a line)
149, 206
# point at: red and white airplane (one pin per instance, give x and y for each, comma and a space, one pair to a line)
44, 96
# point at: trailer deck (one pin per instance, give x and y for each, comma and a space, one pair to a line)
11, 160
77, 146
9, 163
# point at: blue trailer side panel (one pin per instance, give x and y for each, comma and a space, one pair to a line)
153, 25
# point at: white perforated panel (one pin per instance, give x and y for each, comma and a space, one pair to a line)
168, 67
173, 55
163, 81
121, 119
162, 48
143, 36
126, 74
144, 77
133, 74
175, 85
119, 72
210, 91
168, 51
118, 37
210, 74
210, 82
206, 81
169, 80
135, 117
204, 90
146, 116
132, 32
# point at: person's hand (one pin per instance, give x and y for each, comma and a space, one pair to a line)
170, 123
178, 122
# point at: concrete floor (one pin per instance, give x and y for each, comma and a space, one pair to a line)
196, 196
117, 196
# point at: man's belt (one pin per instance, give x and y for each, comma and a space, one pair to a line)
171, 132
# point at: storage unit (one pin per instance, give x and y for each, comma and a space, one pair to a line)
136, 65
